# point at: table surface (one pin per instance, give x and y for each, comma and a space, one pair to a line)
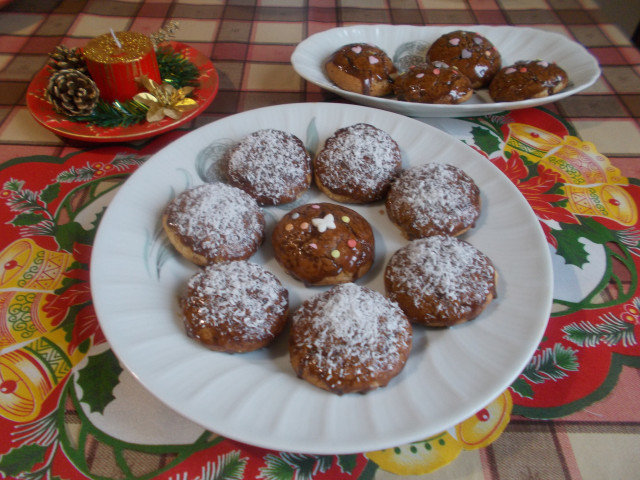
572, 413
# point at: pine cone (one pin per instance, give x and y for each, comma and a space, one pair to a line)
72, 93
63, 58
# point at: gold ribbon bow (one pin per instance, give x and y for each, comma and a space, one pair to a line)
164, 100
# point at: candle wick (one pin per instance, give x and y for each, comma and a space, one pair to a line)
113, 34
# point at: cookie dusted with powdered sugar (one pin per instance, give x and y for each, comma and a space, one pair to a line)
234, 307
349, 339
214, 223
440, 281
270, 165
357, 164
433, 199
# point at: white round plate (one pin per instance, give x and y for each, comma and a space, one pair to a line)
513, 43
256, 397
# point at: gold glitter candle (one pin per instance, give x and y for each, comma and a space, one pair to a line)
115, 66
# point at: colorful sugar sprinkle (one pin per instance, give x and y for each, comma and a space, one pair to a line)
465, 53
335, 253
436, 71
345, 219
304, 225
351, 243
454, 41
313, 245
420, 75
288, 227
373, 60
357, 49
295, 215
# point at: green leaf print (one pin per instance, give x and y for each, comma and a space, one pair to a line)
98, 379
485, 140
50, 193
21, 459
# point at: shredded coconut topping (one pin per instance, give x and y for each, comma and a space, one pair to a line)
271, 162
352, 322
444, 268
217, 217
359, 157
437, 195
241, 296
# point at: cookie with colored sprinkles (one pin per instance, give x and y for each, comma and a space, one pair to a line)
272, 166
361, 68
214, 223
433, 199
349, 339
440, 281
323, 244
357, 164
433, 83
473, 54
528, 79
234, 307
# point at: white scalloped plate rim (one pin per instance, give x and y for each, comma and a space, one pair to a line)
513, 43
256, 398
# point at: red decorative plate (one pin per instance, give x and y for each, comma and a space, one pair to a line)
44, 113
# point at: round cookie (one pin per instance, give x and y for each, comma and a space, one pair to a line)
527, 79
234, 307
270, 165
361, 68
433, 199
349, 339
357, 164
473, 54
214, 223
440, 281
433, 83
324, 244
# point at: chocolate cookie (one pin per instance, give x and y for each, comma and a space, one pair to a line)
527, 79
473, 54
361, 68
433, 83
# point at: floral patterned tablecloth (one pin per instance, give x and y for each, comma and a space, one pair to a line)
68, 409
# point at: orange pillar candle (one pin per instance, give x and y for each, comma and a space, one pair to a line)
114, 66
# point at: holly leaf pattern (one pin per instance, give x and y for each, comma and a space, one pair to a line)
486, 140
50, 193
21, 459
98, 379
26, 219
569, 247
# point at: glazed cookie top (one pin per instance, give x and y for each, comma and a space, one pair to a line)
241, 299
320, 240
351, 327
270, 165
433, 198
473, 54
433, 83
359, 161
216, 220
527, 79
443, 274
365, 62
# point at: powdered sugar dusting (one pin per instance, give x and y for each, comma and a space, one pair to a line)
353, 322
444, 268
271, 162
240, 296
439, 196
217, 218
359, 157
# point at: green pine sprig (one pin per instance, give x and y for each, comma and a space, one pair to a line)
551, 364
611, 331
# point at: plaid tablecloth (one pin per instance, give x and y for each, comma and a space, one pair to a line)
67, 408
